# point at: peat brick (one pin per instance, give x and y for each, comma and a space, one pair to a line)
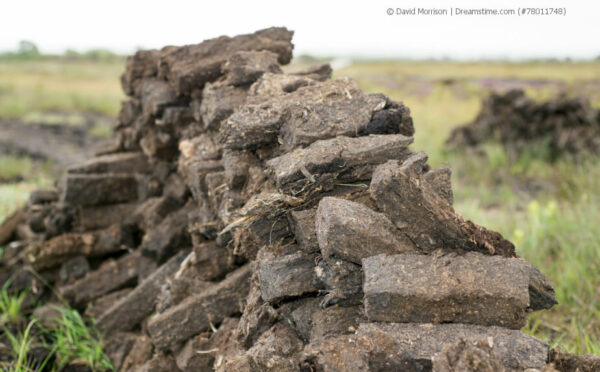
198, 312
302, 224
350, 231
410, 202
244, 67
111, 276
471, 288
126, 313
96, 189
286, 276
53, 252
413, 347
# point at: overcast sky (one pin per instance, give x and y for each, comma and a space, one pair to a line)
323, 27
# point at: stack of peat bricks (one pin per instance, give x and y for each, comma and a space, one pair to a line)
247, 219
565, 125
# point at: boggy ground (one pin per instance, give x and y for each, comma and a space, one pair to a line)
60, 138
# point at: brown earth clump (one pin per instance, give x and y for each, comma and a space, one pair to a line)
565, 125
246, 219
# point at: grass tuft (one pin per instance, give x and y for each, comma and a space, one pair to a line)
74, 340
10, 305
21, 344
69, 339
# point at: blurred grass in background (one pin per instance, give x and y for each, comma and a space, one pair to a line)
550, 211
34, 86
19, 176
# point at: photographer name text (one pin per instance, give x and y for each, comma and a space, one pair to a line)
455, 11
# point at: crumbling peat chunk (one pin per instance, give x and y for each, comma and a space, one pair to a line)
337, 160
326, 110
191, 66
401, 192
260, 222
276, 85
351, 231
392, 118
210, 262
53, 252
